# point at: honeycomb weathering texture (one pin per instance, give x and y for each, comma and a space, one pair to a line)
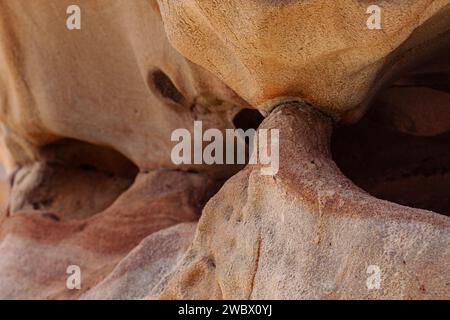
87, 123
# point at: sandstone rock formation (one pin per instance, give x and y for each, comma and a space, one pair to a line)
87, 117
309, 232
320, 51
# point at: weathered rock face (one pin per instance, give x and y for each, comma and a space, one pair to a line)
116, 83
87, 118
145, 271
37, 248
309, 233
320, 51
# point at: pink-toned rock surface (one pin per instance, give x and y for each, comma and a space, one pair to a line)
36, 248
309, 232
86, 118
86, 122
145, 271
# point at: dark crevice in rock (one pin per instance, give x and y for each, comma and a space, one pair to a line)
400, 151
248, 119
410, 170
163, 86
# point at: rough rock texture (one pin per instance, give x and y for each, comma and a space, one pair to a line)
146, 269
36, 248
320, 51
86, 120
308, 232
87, 116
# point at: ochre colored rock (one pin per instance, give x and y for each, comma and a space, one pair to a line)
86, 122
320, 51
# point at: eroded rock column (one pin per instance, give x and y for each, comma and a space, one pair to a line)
308, 232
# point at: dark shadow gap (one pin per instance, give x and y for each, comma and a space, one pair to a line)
400, 151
